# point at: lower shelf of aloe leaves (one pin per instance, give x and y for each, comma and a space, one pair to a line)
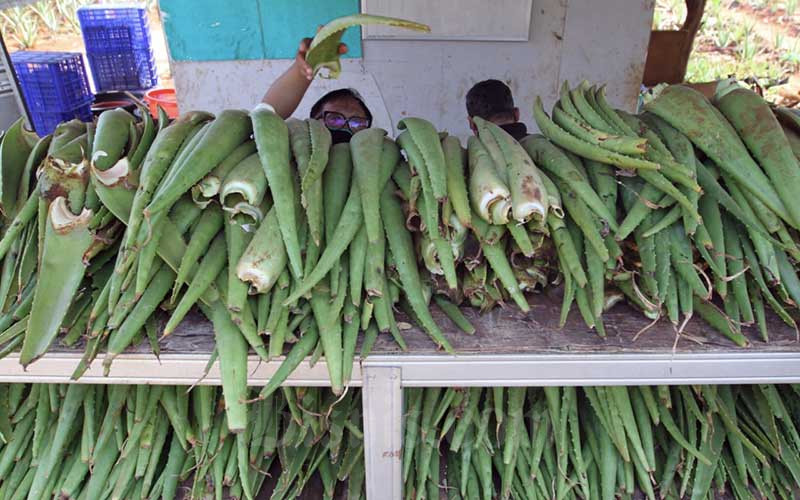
509, 348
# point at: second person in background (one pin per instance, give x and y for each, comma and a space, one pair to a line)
492, 101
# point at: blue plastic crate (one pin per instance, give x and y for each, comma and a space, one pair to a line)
51, 81
117, 40
111, 29
46, 122
124, 71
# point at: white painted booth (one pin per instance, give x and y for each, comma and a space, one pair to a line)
402, 74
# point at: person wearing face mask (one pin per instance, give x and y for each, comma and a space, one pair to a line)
492, 101
343, 111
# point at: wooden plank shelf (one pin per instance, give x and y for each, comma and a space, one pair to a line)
508, 348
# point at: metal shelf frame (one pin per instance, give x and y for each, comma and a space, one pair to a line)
169, 369
509, 349
383, 424
383, 378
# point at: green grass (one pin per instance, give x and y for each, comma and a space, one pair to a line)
706, 67
792, 55
727, 47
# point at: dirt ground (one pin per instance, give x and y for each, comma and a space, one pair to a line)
770, 24
755, 39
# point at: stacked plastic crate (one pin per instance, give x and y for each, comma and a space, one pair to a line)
55, 87
117, 40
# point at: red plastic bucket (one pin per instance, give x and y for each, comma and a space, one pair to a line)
164, 98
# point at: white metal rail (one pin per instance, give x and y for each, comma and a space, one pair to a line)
719, 367
734, 367
384, 376
169, 369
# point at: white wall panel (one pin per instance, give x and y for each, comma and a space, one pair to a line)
604, 41
500, 20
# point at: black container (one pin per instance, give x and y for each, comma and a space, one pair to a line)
111, 100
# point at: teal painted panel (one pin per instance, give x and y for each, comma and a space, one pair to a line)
285, 22
209, 30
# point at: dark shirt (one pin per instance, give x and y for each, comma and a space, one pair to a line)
517, 130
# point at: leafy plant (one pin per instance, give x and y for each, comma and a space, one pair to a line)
791, 7
656, 19
69, 11
749, 46
22, 25
777, 43
722, 36
678, 7
792, 56
669, 14
48, 13
726, 45
713, 7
